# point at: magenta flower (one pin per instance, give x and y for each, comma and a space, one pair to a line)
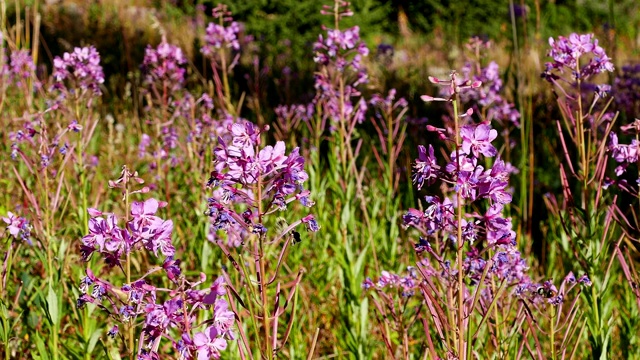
567, 53
164, 66
18, 227
478, 140
82, 67
426, 167
222, 35
209, 343
22, 66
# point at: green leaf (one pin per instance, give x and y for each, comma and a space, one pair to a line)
62, 250
94, 340
346, 215
42, 350
205, 256
52, 305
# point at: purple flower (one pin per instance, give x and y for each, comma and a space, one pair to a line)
312, 224
568, 52
74, 126
478, 140
81, 67
584, 279
22, 66
426, 167
18, 227
113, 332
162, 66
209, 343
221, 35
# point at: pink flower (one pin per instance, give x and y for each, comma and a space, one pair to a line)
478, 140
209, 343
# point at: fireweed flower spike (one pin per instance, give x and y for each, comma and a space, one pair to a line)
464, 253
80, 68
341, 72
221, 35
579, 55
241, 165
163, 66
21, 67
453, 87
251, 182
165, 314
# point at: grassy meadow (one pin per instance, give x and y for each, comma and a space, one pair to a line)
318, 180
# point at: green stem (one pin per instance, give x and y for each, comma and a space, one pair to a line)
263, 275
130, 335
552, 333
390, 151
343, 131
459, 244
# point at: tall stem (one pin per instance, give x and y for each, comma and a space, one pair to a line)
343, 130
459, 243
552, 333
582, 148
390, 153
130, 335
263, 275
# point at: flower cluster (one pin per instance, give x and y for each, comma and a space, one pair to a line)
340, 54
168, 314
489, 237
578, 54
81, 68
18, 227
406, 284
624, 154
21, 66
162, 66
241, 165
344, 49
473, 182
143, 230
222, 35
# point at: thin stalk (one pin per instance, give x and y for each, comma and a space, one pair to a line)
475, 301
552, 333
343, 130
313, 344
252, 295
263, 275
390, 153
498, 321
582, 149
459, 244
130, 335
225, 80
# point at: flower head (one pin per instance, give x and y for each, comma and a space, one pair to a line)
478, 140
